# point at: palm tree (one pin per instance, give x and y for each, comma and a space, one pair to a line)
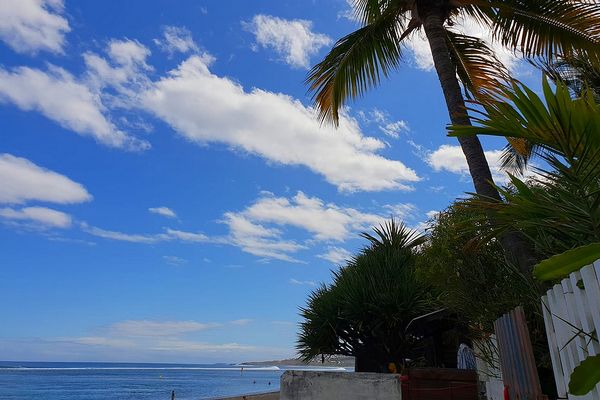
538, 29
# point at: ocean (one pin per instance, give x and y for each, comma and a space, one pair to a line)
127, 381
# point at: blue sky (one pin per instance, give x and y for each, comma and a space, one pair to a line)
166, 192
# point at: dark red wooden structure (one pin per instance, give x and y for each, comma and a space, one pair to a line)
439, 384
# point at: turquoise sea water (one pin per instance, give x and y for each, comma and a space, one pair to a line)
119, 381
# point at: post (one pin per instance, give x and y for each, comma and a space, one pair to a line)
173, 395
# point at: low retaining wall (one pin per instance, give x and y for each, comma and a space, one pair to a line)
312, 385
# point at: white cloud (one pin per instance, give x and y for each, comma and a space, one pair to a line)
60, 97
162, 336
164, 211
242, 322
432, 214
402, 211
145, 341
293, 40
40, 217
258, 240
186, 346
29, 26
451, 158
128, 52
394, 129
385, 124
24, 181
421, 51
174, 260
187, 236
124, 237
119, 78
176, 40
302, 283
132, 328
199, 105
326, 221
259, 229
348, 12
104, 341
336, 255
168, 235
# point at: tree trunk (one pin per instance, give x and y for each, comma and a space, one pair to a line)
432, 13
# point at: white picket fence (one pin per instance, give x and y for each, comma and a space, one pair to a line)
572, 314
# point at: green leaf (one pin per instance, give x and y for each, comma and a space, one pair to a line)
585, 376
563, 264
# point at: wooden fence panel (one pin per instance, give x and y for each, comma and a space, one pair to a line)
572, 315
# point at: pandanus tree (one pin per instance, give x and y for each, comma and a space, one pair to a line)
365, 311
536, 29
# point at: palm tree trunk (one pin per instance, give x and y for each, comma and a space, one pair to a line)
432, 14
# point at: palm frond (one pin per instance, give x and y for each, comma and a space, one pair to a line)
368, 11
477, 66
356, 63
394, 235
517, 154
560, 207
546, 28
576, 71
558, 123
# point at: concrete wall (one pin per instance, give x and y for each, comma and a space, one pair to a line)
312, 385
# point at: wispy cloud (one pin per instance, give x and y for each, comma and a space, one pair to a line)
242, 322
293, 40
336, 255
392, 128
302, 283
164, 211
174, 260
133, 328
168, 235
30, 26
176, 40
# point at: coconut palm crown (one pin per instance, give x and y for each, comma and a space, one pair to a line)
541, 29
538, 29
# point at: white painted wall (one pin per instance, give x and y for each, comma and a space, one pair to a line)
313, 385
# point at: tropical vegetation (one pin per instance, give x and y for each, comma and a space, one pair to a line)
537, 29
559, 209
477, 255
365, 310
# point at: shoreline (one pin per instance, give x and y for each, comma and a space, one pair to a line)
255, 396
